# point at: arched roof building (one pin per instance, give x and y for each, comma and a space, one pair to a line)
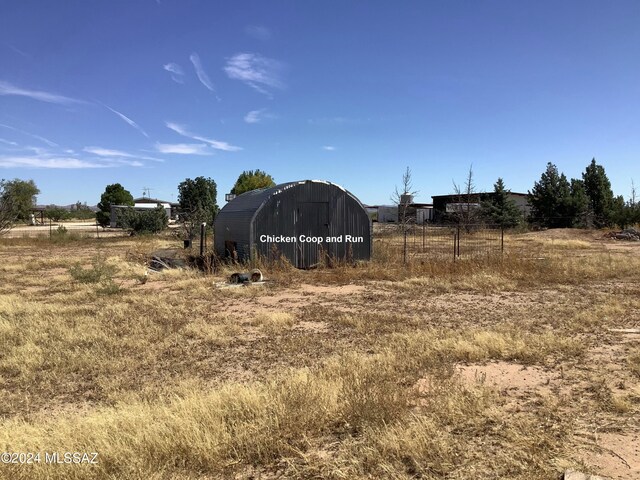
303, 221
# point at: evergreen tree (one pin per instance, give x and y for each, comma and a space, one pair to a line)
252, 180
197, 199
499, 209
550, 199
598, 189
579, 205
114, 194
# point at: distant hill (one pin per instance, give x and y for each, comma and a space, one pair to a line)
71, 207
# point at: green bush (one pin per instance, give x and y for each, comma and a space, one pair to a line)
100, 271
144, 221
56, 214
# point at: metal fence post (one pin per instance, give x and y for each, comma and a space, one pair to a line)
404, 252
455, 235
203, 226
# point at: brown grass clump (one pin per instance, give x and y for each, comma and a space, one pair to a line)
347, 371
273, 322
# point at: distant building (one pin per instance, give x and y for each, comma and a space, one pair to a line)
445, 205
146, 203
424, 212
372, 211
415, 212
387, 214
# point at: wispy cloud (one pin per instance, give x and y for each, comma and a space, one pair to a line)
254, 116
176, 71
258, 32
260, 73
128, 120
8, 142
105, 152
184, 148
7, 88
18, 51
329, 148
111, 153
90, 157
48, 162
37, 137
36, 150
202, 75
346, 121
217, 144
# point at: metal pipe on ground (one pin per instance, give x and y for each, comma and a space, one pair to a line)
245, 277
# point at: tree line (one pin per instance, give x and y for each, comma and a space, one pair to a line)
196, 198
554, 202
196, 204
584, 202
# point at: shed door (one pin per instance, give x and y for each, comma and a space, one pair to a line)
312, 221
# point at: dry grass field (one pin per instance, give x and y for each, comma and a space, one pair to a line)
499, 367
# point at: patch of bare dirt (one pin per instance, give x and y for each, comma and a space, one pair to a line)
313, 327
565, 234
508, 377
293, 299
615, 456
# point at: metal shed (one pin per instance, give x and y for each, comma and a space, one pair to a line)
303, 221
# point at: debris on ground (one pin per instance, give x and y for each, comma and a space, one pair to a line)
625, 330
244, 279
627, 234
164, 260
254, 276
575, 475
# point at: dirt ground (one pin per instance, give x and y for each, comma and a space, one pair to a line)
539, 336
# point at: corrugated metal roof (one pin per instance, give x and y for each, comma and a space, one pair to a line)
314, 207
253, 199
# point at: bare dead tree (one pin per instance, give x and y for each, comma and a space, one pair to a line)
465, 211
403, 197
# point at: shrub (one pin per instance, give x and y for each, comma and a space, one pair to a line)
144, 221
99, 271
56, 214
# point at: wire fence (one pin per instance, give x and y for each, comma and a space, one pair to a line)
429, 241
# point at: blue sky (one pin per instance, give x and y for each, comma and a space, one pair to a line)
149, 92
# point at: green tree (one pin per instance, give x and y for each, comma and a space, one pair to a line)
55, 213
499, 208
114, 194
626, 214
252, 180
579, 205
81, 211
144, 221
550, 199
18, 198
197, 199
598, 189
